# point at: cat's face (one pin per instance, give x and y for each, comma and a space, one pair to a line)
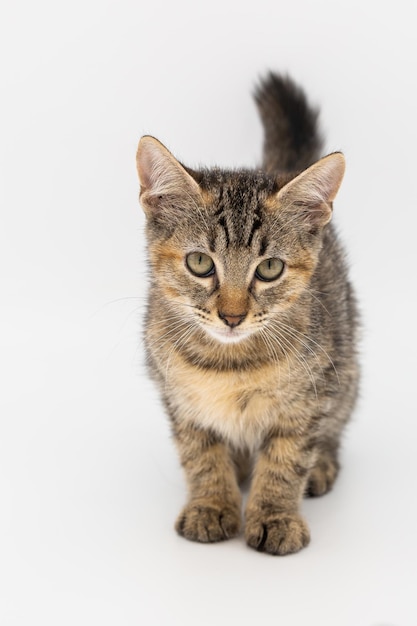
227, 285
232, 251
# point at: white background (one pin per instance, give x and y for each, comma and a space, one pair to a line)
89, 480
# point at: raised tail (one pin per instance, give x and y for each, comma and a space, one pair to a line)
292, 140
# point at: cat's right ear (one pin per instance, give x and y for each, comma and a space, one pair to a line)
166, 187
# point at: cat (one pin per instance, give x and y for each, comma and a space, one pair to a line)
251, 326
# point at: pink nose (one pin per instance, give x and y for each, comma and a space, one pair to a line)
232, 320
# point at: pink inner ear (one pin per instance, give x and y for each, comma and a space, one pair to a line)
149, 161
144, 173
160, 173
312, 192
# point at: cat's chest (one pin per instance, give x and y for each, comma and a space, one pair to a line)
238, 405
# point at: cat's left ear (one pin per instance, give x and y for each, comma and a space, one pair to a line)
311, 193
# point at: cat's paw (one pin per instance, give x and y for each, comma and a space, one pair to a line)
208, 523
279, 534
322, 476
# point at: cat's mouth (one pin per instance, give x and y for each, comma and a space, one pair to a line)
228, 335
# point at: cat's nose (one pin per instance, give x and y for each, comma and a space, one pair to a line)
232, 320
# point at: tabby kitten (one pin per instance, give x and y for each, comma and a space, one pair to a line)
251, 325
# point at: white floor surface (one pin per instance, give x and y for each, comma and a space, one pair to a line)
90, 485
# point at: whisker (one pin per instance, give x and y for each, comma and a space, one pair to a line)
316, 344
178, 343
167, 335
110, 302
270, 347
310, 291
300, 358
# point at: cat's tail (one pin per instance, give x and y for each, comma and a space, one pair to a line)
292, 140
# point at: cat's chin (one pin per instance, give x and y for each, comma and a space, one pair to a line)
228, 335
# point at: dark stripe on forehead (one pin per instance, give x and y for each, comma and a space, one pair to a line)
257, 223
237, 211
212, 242
263, 246
221, 215
222, 223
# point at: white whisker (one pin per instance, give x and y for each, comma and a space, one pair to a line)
177, 345
297, 332
297, 354
310, 291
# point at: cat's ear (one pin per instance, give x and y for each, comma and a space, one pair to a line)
165, 184
311, 193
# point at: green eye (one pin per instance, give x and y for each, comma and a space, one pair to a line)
270, 269
200, 264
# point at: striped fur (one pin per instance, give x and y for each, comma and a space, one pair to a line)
258, 378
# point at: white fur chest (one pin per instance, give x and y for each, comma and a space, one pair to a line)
240, 406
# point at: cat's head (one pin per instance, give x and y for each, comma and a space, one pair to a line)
231, 250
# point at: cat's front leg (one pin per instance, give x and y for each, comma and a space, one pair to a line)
213, 511
273, 522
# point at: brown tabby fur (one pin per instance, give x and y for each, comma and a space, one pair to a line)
257, 377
